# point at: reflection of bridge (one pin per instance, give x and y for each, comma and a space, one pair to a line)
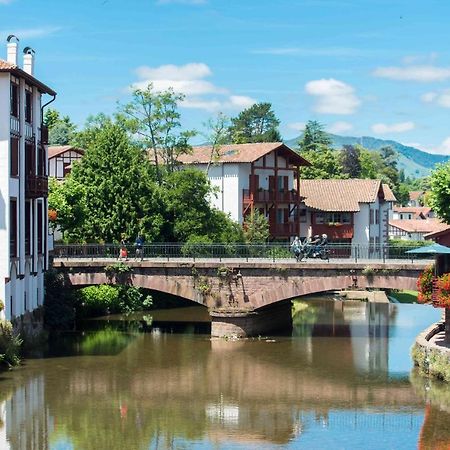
244, 297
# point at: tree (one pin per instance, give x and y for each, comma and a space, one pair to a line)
256, 228
257, 123
326, 163
116, 192
61, 129
350, 160
314, 137
439, 198
216, 136
154, 118
188, 212
86, 138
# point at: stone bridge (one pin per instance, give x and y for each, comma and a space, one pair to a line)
244, 298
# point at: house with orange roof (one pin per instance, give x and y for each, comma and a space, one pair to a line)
60, 159
23, 183
414, 230
412, 213
256, 176
352, 211
441, 236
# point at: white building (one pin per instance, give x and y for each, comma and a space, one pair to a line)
352, 211
23, 183
262, 176
60, 159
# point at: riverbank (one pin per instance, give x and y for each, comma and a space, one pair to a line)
431, 352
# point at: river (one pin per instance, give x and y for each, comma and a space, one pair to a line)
342, 380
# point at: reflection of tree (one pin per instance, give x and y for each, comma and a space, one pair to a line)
304, 316
435, 432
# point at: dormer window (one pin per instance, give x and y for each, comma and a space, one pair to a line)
15, 98
28, 104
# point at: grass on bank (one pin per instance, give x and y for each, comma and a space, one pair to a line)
405, 296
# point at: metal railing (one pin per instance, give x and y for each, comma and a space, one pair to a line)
271, 251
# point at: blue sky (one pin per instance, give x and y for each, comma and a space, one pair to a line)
361, 67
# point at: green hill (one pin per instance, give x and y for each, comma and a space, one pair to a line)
416, 163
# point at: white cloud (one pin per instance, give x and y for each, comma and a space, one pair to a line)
333, 96
189, 79
297, 126
30, 33
339, 127
441, 98
400, 127
420, 73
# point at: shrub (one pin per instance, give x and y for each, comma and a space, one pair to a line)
443, 291
10, 344
425, 285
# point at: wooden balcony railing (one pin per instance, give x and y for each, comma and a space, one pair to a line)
335, 231
36, 186
283, 229
266, 196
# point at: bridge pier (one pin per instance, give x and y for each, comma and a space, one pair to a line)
251, 322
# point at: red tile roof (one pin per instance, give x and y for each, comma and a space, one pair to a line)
435, 234
415, 195
6, 66
419, 226
241, 153
416, 210
342, 195
55, 150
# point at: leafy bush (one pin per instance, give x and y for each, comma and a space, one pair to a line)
106, 299
425, 285
10, 344
443, 291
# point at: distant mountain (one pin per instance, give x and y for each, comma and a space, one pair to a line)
416, 163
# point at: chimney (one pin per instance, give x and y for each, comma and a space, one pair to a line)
12, 49
28, 60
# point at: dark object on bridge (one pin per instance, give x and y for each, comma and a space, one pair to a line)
312, 249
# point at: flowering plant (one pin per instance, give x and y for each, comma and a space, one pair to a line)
443, 291
425, 285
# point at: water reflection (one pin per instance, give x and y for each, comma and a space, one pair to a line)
327, 385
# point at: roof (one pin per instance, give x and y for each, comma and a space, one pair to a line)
419, 226
56, 150
416, 210
241, 153
342, 195
439, 233
6, 66
415, 195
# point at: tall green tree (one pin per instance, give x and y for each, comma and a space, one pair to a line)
216, 135
61, 129
314, 137
154, 117
257, 123
439, 199
117, 192
256, 228
350, 160
188, 213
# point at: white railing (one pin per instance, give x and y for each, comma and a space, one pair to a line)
15, 125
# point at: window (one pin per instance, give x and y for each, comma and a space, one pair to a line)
14, 162
377, 216
371, 217
13, 227
14, 99
40, 227
28, 104
280, 215
29, 159
27, 228
334, 217
302, 215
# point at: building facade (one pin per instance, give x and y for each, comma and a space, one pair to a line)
259, 176
23, 183
352, 211
60, 159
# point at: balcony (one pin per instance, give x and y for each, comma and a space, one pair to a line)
283, 229
334, 231
36, 186
266, 196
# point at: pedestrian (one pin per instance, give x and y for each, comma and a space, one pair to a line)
123, 252
139, 244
